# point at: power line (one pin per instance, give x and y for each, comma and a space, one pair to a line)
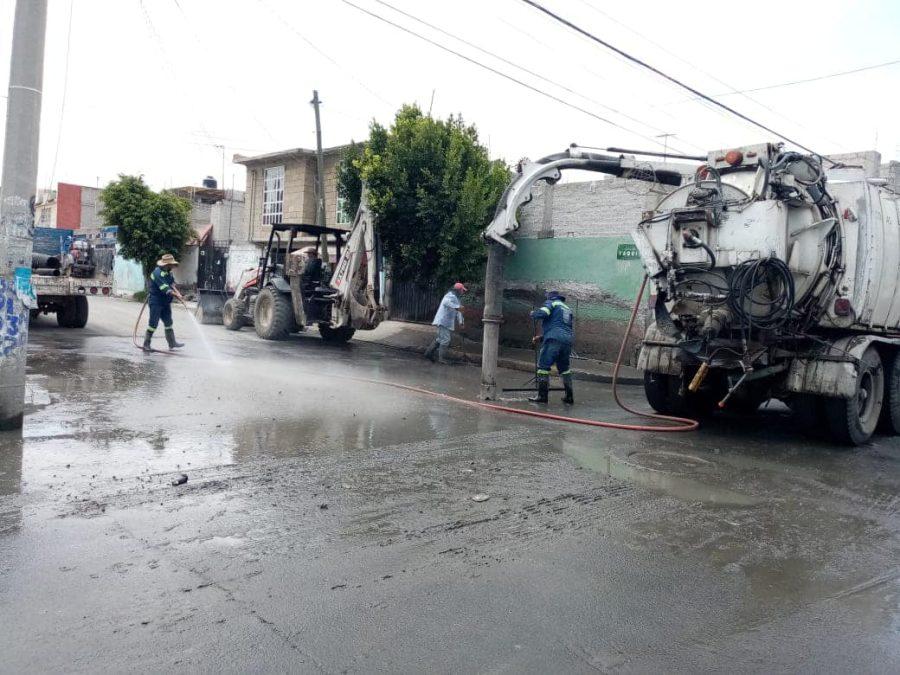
500, 73
65, 91
324, 55
646, 65
810, 79
663, 48
517, 66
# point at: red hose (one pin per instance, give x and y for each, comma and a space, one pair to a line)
681, 423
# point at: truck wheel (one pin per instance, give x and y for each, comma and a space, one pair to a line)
664, 395
232, 316
889, 422
81, 312
657, 388
65, 315
338, 335
853, 420
273, 315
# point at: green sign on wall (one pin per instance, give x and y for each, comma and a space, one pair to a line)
627, 252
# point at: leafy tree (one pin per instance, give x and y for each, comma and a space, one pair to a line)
349, 181
433, 189
150, 224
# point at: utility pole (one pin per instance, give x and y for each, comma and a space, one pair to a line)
17, 196
320, 177
492, 318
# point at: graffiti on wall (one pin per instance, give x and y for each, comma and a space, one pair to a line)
13, 319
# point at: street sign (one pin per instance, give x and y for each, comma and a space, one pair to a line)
627, 252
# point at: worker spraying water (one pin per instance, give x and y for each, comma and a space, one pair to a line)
558, 334
162, 290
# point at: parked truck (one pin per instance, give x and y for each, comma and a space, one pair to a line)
771, 280
65, 270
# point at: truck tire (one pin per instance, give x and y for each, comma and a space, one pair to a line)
657, 388
73, 313
853, 420
890, 409
81, 312
664, 395
336, 335
273, 315
232, 316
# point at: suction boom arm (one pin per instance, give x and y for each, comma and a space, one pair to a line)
550, 169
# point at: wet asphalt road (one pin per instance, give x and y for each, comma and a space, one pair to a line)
327, 523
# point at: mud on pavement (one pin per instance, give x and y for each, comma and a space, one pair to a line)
328, 525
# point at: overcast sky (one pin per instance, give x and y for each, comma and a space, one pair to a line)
154, 87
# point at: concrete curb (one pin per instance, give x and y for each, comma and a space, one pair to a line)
515, 364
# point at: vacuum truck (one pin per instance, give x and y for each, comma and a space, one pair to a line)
771, 280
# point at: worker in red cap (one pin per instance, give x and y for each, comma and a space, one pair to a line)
448, 315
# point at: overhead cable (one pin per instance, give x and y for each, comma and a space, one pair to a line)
506, 76
578, 29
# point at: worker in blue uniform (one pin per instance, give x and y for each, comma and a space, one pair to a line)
556, 348
162, 290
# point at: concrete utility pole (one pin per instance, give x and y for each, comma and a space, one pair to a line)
17, 196
320, 176
493, 317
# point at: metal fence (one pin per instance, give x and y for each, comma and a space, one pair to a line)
411, 301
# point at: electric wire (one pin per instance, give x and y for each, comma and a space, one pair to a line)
501, 73
519, 67
65, 91
734, 90
325, 55
578, 29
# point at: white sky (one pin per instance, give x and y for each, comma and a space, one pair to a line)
155, 86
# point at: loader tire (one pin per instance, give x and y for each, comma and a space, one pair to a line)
232, 315
889, 423
852, 421
273, 315
336, 335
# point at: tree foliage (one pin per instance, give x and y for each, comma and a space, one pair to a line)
433, 189
150, 224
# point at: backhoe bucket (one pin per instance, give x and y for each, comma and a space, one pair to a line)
209, 306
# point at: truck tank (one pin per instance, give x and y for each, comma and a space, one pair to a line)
772, 281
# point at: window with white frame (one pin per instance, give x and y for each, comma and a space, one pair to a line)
273, 195
341, 215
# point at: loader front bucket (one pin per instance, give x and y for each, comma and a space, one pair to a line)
209, 306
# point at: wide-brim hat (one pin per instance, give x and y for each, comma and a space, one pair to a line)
167, 259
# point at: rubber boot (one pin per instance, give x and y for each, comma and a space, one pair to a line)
543, 387
442, 354
170, 338
570, 392
430, 352
147, 337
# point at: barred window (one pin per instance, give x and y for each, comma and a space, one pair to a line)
273, 195
341, 215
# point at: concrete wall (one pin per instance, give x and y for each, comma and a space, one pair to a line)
241, 257
569, 240
128, 277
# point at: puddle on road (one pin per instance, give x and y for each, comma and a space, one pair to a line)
659, 470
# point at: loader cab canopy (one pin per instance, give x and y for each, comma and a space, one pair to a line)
285, 238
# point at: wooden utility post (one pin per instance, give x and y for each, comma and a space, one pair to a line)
17, 197
320, 177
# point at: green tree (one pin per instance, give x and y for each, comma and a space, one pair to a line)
433, 189
150, 224
349, 181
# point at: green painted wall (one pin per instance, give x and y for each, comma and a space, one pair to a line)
587, 260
